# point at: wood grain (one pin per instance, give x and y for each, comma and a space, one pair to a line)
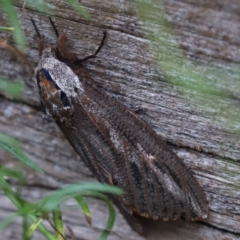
207, 32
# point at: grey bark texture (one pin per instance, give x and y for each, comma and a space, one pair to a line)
205, 138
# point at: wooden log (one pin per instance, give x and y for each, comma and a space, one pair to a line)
205, 138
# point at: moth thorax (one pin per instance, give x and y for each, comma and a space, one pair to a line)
60, 73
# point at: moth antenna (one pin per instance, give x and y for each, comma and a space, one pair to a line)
36, 29
41, 41
101, 44
97, 51
54, 26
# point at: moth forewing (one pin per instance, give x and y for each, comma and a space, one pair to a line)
119, 148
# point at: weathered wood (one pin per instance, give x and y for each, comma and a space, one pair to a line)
125, 68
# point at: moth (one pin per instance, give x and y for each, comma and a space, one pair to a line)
115, 143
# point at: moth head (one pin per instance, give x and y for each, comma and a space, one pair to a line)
57, 85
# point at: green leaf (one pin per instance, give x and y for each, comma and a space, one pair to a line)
13, 20
13, 146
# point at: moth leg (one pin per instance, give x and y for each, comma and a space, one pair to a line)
79, 61
41, 41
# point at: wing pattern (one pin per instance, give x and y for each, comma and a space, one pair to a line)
123, 150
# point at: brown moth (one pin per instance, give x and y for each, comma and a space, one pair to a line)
118, 147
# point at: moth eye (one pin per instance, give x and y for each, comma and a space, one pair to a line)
64, 99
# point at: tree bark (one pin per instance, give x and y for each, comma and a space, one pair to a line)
200, 134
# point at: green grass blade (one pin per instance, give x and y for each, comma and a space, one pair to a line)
85, 209
4, 223
6, 28
13, 146
16, 174
40, 6
110, 221
51, 201
58, 223
78, 8
112, 213
42, 228
9, 192
23, 206
99, 187
13, 173
33, 228
13, 20
26, 225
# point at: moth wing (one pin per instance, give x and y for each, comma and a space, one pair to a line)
121, 149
